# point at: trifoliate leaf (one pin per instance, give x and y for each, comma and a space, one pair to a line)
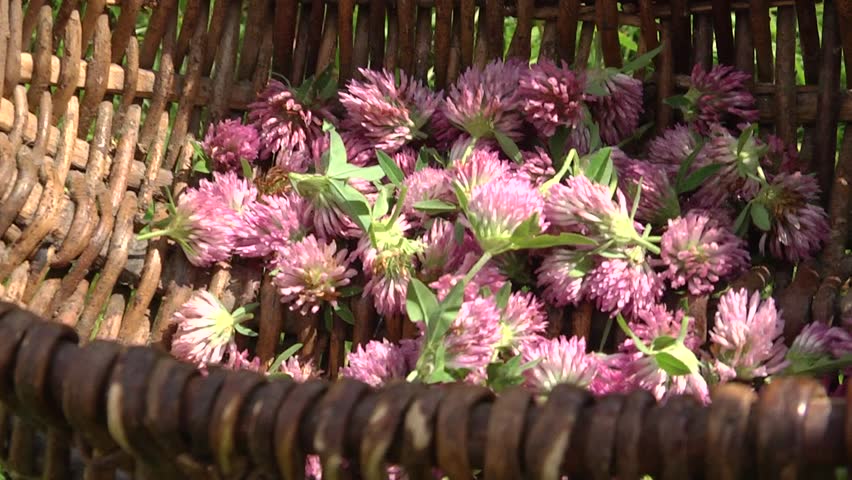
248, 173
380, 208
547, 241
345, 313
390, 168
698, 177
350, 291
676, 359
280, 359
420, 302
679, 101
370, 174
243, 330
435, 206
556, 146
641, 61
502, 296
740, 225
336, 154
686, 165
509, 147
353, 202
760, 216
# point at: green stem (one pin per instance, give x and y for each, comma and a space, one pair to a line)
648, 245
154, 234
397, 209
469, 150
636, 341
566, 164
605, 334
476, 268
684, 324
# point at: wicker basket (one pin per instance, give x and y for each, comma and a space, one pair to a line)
97, 116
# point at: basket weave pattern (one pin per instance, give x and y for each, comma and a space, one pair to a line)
96, 117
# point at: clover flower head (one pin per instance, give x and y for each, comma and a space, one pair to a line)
718, 95
799, 225
376, 363
482, 101
747, 339
551, 96
229, 142
388, 112
698, 252
310, 272
497, 208
205, 329
561, 360
617, 113
286, 123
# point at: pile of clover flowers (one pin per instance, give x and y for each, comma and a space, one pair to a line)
473, 210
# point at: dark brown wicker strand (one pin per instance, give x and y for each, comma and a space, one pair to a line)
96, 117
795, 424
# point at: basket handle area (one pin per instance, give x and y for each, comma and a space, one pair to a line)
138, 408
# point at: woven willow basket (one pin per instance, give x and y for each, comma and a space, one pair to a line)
97, 115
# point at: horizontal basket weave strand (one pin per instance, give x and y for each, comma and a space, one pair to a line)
69, 208
143, 413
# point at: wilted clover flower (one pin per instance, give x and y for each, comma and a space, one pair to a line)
388, 260
698, 252
780, 155
561, 276
229, 142
388, 112
735, 180
271, 223
310, 272
627, 285
482, 102
551, 96
672, 147
497, 208
523, 321
747, 339
658, 199
286, 123
799, 224
299, 371
240, 360
818, 342
617, 112
718, 95
561, 360
205, 329
537, 167
473, 335
377, 363
441, 251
